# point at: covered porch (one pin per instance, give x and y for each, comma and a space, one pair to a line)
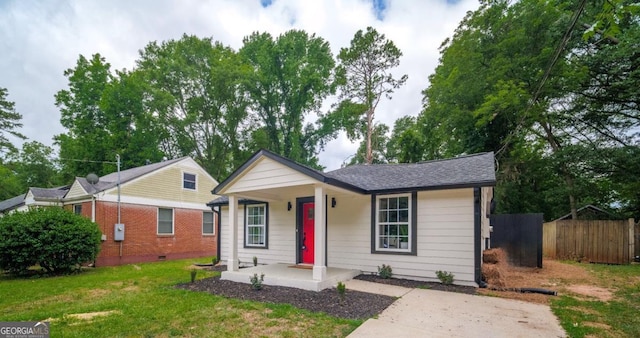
277, 213
291, 275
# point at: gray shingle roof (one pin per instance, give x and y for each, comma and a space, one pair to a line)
111, 180
49, 193
463, 171
12, 203
224, 200
470, 170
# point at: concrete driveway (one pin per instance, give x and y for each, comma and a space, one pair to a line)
429, 313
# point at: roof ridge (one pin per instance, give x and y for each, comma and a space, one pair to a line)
415, 163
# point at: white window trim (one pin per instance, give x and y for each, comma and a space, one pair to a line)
173, 222
195, 180
213, 215
409, 222
264, 225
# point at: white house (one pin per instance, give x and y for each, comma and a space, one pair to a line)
418, 218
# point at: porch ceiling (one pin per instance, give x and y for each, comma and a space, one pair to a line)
289, 193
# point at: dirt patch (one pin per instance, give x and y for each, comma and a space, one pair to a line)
91, 315
554, 276
591, 291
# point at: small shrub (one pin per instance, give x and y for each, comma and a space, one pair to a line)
255, 261
214, 260
445, 277
341, 288
56, 239
256, 282
385, 271
194, 273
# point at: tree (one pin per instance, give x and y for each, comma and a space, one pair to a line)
194, 90
85, 145
34, 166
405, 144
56, 239
104, 115
291, 75
378, 152
9, 182
548, 110
364, 78
9, 122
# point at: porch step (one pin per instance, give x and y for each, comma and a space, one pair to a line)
377, 288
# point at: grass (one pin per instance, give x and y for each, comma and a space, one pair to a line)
140, 300
586, 317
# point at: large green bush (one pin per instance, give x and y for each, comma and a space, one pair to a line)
54, 238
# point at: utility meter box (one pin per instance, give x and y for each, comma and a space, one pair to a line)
118, 232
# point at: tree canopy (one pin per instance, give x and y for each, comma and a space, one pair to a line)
549, 106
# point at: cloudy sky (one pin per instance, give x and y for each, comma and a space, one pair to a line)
40, 39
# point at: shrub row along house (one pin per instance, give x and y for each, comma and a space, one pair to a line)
312, 229
158, 213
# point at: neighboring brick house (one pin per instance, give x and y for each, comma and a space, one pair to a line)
163, 211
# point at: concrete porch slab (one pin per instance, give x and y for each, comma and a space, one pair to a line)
290, 275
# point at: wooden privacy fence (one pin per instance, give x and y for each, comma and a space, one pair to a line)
610, 242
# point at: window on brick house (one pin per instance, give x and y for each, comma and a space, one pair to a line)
77, 209
165, 221
207, 223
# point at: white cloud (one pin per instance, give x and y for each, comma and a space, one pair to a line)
40, 39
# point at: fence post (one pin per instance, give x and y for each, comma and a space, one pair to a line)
632, 237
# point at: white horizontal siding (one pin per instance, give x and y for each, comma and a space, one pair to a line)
444, 237
267, 174
281, 236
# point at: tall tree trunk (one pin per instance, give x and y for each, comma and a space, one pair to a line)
369, 154
568, 178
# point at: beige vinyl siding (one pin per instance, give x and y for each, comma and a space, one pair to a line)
76, 190
444, 236
265, 174
166, 184
281, 236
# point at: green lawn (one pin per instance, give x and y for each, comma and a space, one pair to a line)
619, 317
140, 300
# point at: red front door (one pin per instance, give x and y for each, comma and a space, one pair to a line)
307, 232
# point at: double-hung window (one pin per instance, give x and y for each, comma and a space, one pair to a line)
255, 225
189, 181
394, 225
165, 221
207, 223
77, 209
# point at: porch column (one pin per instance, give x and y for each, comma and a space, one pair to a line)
320, 234
232, 261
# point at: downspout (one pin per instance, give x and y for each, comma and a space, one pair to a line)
93, 208
477, 236
218, 219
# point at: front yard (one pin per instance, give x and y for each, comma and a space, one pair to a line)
141, 300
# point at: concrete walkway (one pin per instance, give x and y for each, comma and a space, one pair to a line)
429, 313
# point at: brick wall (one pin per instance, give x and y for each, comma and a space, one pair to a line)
141, 241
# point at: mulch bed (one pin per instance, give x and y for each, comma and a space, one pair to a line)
356, 305
413, 284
